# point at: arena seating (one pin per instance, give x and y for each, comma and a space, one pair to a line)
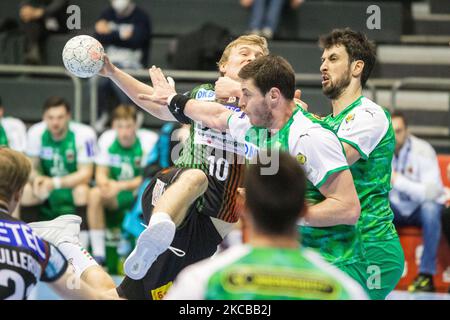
411, 240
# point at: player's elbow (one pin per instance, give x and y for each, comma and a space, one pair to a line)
353, 212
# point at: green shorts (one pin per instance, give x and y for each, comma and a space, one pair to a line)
60, 202
358, 272
114, 217
386, 262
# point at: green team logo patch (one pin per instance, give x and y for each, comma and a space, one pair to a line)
279, 282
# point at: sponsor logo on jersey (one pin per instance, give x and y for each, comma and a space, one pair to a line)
70, 155
232, 100
350, 118
232, 107
158, 190
279, 281
301, 158
115, 160
137, 162
159, 293
206, 95
47, 153
90, 150
19, 234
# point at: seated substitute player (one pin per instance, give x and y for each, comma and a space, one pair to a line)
197, 195
272, 265
13, 133
122, 152
62, 153
272, 120
26, 258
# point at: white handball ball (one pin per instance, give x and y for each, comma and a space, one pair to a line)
83, 56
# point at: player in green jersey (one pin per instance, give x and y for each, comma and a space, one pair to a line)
272, 265
365, 130
119, 162
273, 119
62, 153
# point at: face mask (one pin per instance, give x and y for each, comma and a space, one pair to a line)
120, 5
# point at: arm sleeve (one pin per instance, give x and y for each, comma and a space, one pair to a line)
101, 157
17, 135
239, 124
320, 153
149, 141
86, 145
363, 129
34, 142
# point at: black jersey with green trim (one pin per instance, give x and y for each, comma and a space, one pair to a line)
219, 156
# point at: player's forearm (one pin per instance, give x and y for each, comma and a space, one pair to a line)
82, 176
130, 185
209, 114
133, 87
332, 212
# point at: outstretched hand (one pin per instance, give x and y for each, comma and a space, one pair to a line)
108, 67
162, 88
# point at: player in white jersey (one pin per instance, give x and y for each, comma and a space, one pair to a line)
13, 132
122, 153
62, 153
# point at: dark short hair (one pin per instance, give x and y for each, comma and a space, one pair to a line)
357, 45
399, 114
276, 201
271, 71
55, 101
1, 103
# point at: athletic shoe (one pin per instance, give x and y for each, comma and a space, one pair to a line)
65, 228
423, 283
151, 243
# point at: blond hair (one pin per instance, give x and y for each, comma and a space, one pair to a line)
124, 111
14, 171
251, 39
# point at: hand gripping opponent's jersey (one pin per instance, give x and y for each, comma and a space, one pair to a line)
60, 158
248, 273
320, 153
25, 259
367, 127
125, 163
219, 156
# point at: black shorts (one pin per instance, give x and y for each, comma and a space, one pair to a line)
196, 236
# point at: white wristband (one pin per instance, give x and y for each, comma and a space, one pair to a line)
169, 99
56, 182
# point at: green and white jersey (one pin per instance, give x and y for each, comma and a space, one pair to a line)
60, 158
244, 272
125, 163
13, 134
320, 153
367, 127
